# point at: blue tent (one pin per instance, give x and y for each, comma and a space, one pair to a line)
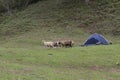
96, 39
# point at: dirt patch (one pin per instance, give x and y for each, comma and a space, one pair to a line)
14, 71
114, 70
97, 68
102, 68
26, 70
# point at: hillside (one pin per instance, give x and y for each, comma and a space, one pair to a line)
103, 16
59, 19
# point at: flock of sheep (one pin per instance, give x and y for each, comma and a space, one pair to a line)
61, 43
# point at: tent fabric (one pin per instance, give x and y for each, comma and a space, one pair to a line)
95, 39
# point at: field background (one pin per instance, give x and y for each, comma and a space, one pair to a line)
24, 57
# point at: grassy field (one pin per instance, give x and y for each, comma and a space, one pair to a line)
23, 56
78, 63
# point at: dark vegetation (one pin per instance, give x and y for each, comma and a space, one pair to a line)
9, 5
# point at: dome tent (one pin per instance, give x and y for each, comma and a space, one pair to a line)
96, 39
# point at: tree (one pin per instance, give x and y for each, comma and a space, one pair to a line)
7, 5
87, 1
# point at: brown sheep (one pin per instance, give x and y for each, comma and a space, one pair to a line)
66, 43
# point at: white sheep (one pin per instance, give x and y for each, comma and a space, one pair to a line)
50, 44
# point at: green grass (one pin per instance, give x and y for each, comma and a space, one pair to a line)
78, 63
23, 56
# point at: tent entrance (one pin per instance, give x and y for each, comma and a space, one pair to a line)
92, 41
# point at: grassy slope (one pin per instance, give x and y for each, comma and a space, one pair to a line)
103, 16
97, 16
41, 22
51, 20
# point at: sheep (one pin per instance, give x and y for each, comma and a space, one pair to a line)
50, 44
66, 43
